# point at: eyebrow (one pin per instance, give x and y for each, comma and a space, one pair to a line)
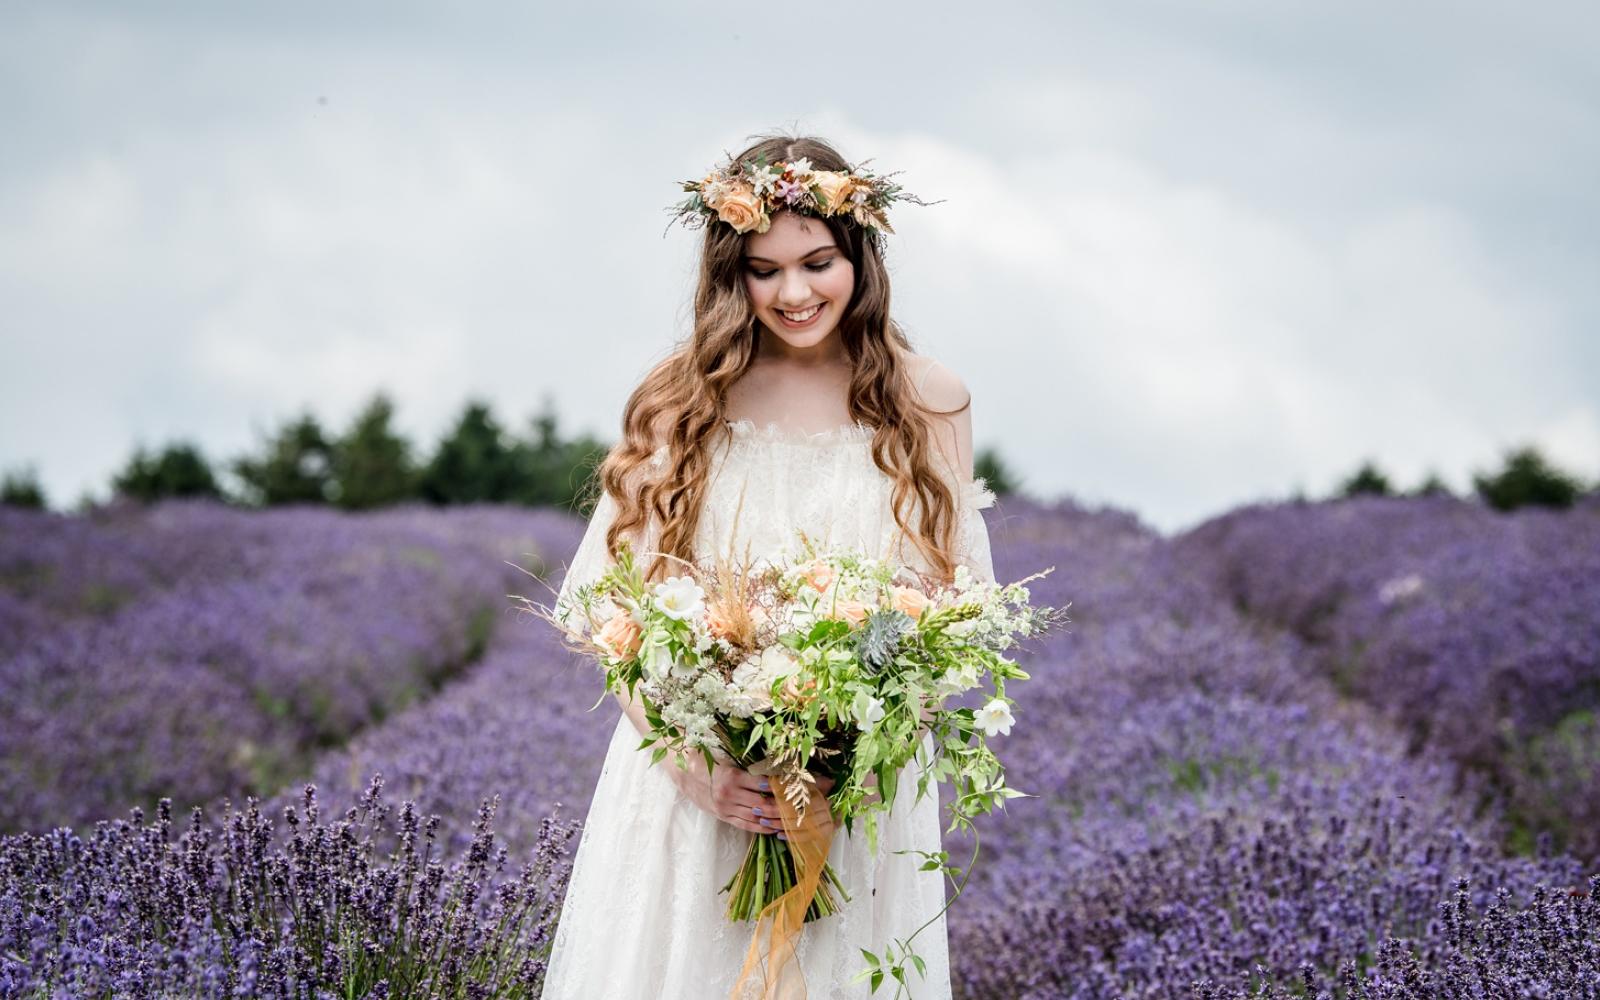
808, 253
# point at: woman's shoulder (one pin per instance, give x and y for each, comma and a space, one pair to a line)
942, 390
938, 385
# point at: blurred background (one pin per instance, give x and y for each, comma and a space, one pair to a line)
1280, 322
1188, 256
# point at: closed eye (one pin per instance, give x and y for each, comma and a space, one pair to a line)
764, 275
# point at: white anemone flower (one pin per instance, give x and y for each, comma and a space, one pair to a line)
995, 717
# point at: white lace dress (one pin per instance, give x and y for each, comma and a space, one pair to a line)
643, 917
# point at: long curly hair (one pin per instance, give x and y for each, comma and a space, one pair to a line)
681, 401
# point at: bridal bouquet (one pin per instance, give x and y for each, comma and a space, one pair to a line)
813, 660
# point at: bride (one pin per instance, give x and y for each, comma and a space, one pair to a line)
795, 403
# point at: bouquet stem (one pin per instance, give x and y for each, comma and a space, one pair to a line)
767, 873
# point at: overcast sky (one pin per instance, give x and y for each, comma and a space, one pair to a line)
1190, 254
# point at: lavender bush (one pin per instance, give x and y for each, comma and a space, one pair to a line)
224, 911
1545, 946
1478, 632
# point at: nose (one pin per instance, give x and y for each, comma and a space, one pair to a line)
794, 291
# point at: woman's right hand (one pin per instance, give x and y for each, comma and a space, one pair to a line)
729, 792
732, 794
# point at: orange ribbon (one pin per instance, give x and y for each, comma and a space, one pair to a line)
779, 923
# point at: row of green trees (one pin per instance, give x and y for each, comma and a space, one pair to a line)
1526, 478
478, 459
367, 465
371, 465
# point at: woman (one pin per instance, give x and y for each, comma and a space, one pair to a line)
795, 403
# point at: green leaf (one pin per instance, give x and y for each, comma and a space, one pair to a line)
877, 980
870, 957
660, 753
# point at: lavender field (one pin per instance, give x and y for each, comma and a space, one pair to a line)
1316, 750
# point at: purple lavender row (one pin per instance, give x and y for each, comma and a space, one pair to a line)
1478, 632
268, 637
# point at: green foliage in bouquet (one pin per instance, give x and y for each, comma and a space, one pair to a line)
820, 661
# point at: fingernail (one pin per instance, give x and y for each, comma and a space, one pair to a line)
764, 785
756, 810
765, 823
782, 837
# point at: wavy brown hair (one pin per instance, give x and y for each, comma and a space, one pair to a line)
681, 401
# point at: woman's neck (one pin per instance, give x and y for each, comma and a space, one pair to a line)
828, 353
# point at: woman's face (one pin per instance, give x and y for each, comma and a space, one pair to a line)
796, 268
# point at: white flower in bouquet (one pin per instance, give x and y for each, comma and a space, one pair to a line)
703, 641
700, 730
868, 710
680, 597
684, 668
961, 629
994, 717
742, 702
709, 687
749, 694
655, 656
777, 661
963, 678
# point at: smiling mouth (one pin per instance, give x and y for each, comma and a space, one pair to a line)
800, 317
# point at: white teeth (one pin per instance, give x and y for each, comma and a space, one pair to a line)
801, 317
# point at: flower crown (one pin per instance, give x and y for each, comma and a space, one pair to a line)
746, 195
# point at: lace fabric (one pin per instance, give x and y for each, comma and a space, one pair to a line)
642, 916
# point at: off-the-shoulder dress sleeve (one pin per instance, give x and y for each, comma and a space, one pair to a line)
972, 533
592, 559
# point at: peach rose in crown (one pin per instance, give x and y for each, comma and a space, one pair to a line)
910, 600
620, 636
741, 209
819, 574
835, 187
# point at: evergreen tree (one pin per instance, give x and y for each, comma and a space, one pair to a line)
1366, 480
1432, 486
1527, 479
21, 488
178, 470
372, 465
297, 466
988, 465
550, 470
474, 462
